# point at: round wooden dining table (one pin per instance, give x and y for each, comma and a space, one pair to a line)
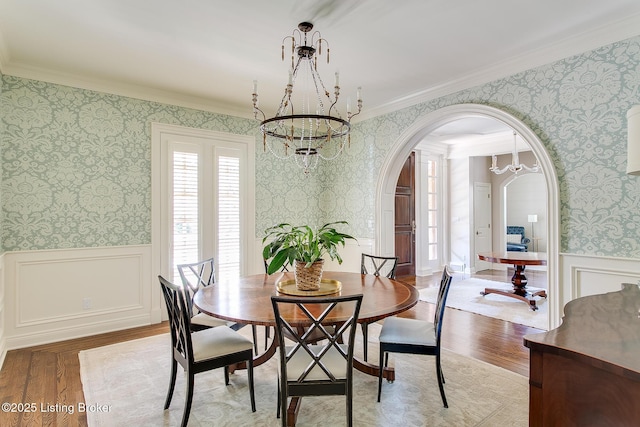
247, 300
519, 281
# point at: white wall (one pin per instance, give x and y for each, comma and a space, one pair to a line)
460, 189
526, 195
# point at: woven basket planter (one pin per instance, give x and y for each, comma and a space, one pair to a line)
308, 278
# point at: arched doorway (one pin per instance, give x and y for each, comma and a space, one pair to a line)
402, 147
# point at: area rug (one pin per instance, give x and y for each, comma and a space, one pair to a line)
129, 381
465, 295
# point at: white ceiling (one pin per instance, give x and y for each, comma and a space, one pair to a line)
206, 53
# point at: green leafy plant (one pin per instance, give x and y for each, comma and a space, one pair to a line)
289, 243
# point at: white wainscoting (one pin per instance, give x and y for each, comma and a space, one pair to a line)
48, 296
583, 275
63, 294
3, 339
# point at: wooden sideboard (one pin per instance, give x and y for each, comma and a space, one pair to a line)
586, 372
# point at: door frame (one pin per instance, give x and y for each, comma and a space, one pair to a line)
408, 269
475, 264
406, 142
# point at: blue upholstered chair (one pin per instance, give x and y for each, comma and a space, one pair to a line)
517, 244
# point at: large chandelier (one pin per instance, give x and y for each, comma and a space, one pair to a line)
307, 125
515, 165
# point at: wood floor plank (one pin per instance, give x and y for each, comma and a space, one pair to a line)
13, 384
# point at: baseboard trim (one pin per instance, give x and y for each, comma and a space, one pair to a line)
68, 333
3, 352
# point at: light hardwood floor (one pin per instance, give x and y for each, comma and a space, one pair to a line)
50, 374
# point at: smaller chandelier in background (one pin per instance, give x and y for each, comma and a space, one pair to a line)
308, 125
515, 165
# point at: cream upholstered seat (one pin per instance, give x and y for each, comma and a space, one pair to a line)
202, 319
216, 342
413, 336
408, 331
202, 350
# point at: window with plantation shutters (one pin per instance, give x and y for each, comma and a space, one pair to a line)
209, 211
229, 216
186, 248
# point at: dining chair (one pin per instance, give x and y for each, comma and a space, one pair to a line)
378, 266
203, 350
413, 336
201, 274
310, 368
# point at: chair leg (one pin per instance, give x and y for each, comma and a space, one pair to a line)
254, 331
278, 407
365, 339
172, 383
267, 335
441, 382
188, 399
381, 367
283, 406
350, 408
226, 375
251, 389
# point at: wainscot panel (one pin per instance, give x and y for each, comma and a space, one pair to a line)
584, 275
63, 294
3, 340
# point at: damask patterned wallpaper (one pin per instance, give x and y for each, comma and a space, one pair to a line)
577, 107
76, 163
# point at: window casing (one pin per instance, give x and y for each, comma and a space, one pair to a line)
203, 200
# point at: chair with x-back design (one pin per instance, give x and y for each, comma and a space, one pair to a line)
203, 350
198, 275
309, 367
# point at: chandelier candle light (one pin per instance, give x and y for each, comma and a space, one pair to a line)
307, 125
515, 165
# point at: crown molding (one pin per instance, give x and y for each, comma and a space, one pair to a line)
564, 48
589, 40
4, 54
127, 90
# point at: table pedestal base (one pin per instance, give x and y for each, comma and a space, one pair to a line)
520, 290
521, 294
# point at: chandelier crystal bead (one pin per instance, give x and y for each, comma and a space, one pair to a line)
308, 125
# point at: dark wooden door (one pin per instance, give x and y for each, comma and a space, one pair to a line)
405, 224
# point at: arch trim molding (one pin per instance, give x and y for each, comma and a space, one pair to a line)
406, 142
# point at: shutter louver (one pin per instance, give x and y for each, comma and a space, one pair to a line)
229, 244
185, 209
